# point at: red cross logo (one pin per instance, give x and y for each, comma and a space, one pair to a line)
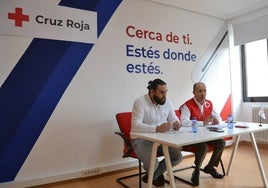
18, 17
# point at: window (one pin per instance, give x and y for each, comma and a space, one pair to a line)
255, 71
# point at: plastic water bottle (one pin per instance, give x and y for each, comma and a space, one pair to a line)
194, 125
230, 123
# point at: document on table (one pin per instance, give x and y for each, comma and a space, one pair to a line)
219, 126
189, 129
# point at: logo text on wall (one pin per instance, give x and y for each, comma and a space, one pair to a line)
29, 18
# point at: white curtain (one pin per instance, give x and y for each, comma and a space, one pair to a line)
251, 30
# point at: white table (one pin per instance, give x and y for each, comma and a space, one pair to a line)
185, 137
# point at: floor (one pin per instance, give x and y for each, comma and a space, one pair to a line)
244, 173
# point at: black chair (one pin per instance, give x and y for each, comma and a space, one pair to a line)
124, 123
193, 149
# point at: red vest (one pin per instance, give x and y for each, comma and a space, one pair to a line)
195, 111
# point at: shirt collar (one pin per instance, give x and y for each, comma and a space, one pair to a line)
198, 104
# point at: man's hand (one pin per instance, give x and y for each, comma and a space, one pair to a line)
176, 125
164, 127
215, 121
211, 120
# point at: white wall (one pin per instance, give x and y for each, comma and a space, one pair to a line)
79, 135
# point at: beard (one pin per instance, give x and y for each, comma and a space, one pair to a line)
159, 101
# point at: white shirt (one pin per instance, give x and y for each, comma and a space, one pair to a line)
146, 115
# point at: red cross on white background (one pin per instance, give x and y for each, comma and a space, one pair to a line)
18, 17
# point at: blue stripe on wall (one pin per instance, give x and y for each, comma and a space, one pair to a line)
33, 89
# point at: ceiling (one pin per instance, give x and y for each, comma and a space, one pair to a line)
223, 9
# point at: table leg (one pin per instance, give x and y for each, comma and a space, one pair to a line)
233, 154
169, 166
152, 165
257, 154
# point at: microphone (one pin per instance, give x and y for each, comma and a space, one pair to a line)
261, 115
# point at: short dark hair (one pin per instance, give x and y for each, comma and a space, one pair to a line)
153, 84
195, 85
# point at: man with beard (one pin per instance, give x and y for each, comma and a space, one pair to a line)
153, 112
203, 110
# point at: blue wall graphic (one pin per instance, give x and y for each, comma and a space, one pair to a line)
34, 87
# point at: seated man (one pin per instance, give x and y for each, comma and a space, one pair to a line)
153, 112
203, 110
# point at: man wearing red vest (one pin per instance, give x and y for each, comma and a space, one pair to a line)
203, 110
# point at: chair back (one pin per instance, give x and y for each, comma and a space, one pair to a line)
124, 123
178, 113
